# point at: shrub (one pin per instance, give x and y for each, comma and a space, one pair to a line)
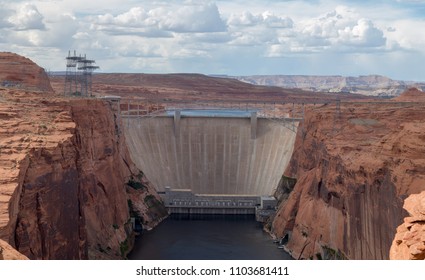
136, 185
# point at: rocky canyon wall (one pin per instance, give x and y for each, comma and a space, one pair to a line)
68, 188
354, 168
409, 242
72, 197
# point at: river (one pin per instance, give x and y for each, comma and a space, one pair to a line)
207, 238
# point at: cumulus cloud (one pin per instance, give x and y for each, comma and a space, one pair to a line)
202, 18
344, 26
260, 29
27, 17
339, 30
192, 18
267, 18
274, 21
135, 17
363, 33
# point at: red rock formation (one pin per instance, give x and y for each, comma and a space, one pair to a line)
64, 171
411, 95
7, 252
20, 72
354, 168
409, 242
73, 201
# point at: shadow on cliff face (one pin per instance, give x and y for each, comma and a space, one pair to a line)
351, 180
73, 196
285, 187
146, 208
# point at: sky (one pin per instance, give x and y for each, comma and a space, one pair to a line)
286, 37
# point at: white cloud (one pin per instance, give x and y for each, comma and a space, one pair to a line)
341, 30
202, 18
267, 18
206, 36
186, 19
244, 19
260, 29
363, 34
408, 34
344, 27
27, 17
135, 17
274, 21
59, 33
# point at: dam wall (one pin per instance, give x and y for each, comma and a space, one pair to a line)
211, 155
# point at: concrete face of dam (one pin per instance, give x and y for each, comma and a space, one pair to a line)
211, 155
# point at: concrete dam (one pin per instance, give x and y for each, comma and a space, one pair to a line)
227, 152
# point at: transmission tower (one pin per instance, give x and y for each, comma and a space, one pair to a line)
71, 81
78, 79
86, 66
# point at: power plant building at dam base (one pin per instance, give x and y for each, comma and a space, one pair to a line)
233, 152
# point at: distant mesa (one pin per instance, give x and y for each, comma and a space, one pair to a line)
370, 85
20, 72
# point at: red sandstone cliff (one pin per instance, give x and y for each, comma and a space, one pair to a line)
65, 170
409, 242
354, 168
20, 72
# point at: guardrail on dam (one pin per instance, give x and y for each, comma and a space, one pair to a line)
227, 152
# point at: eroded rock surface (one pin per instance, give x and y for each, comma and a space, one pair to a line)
7, 252
64, 178
409, 242
20, 72
354, 168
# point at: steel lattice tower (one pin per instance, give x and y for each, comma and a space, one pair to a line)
71, 74
78, 79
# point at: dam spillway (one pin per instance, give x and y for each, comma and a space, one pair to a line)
225, 153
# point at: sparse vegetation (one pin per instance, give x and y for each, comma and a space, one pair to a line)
151, 201
285, 187
100, 248
332, 254
288, 181
124, 247
140, 175
156, 207
135, 184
